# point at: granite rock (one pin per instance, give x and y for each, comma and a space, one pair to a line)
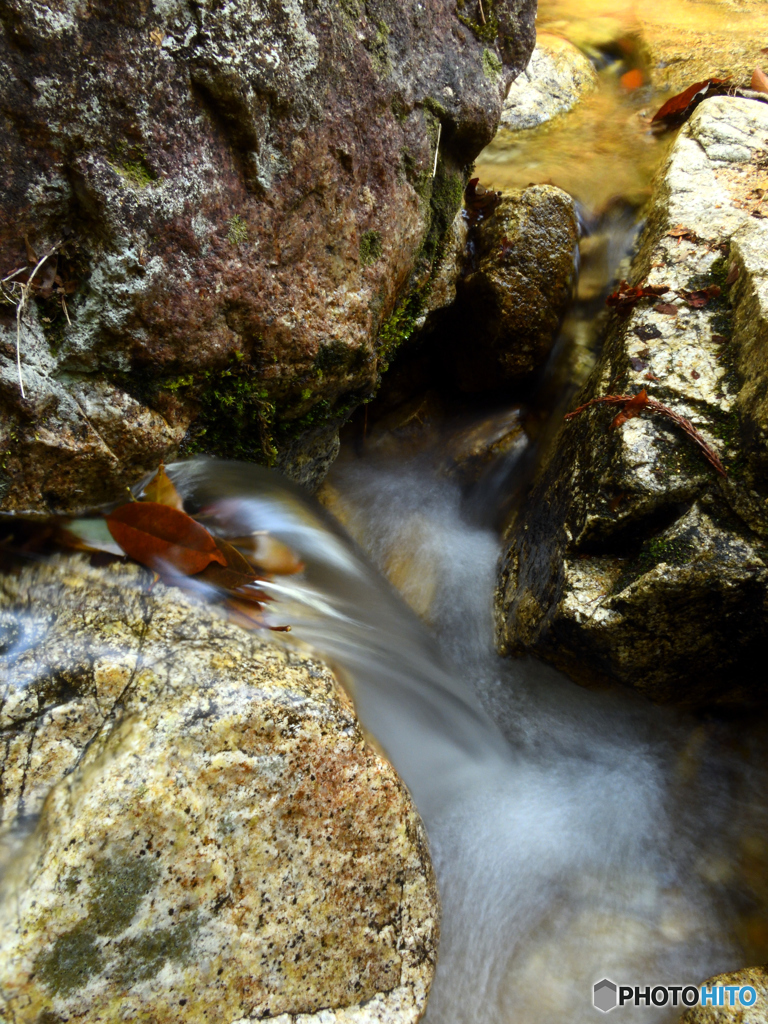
251, 198
633, 559
757, 977
208, 835
557, 77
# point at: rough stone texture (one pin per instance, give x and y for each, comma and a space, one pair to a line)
510, 304
252, 211
757, 977
632, 560
220, 843
557, 77
686, 41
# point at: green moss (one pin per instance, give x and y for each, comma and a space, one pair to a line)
236, 418
72, 961
377, 48
398, 327
117, 888
134, 169
492, 66
370, 248
238, 230
486, 30
672, 551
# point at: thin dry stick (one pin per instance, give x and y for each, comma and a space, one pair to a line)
25, 288
437, 146
709, 453
482, 12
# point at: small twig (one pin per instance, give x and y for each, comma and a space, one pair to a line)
66, 311
437, 146
25, 288
482, 12
709, 453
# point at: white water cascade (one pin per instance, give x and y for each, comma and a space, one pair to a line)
575, 834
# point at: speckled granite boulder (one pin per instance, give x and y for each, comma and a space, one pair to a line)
518, 284
557, 77
757, 977
252, 197
216, 840
632, 559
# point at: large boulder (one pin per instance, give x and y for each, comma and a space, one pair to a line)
633, 559
216, 840
246, 202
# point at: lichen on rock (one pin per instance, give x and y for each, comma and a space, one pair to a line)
213, 838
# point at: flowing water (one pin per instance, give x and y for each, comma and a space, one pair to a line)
576, 834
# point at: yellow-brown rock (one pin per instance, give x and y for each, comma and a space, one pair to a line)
216, 842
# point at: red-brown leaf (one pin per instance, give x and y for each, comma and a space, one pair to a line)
666, 307
680, 107
699, 299
759, 80
633, 408
156, 536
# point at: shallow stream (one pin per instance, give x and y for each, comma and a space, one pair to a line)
576, 834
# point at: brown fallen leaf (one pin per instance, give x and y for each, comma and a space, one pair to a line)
700, 298
654, 406
759, 80
627, 296
633, 408
683, 232
651, 376
733, 275
680, 107
667, 308
161, 490
479, 201
157, 535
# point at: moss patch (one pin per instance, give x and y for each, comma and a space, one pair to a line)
238, 230
492, 66
486, 30
236, 417
370, 248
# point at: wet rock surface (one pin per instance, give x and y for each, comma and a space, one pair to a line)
757, 978
251, 199
557, 77
216, 841
516, 289
633, 559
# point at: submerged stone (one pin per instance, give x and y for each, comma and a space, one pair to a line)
212, 838
633, 559
557, 77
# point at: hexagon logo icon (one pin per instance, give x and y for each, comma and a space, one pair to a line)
604, 995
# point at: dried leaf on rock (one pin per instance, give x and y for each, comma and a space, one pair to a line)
700, 298
627, 296
680, 107
759, 81
160, 489
683, 232
667, 308
733, 275
633, 408
479, 201
157, 535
